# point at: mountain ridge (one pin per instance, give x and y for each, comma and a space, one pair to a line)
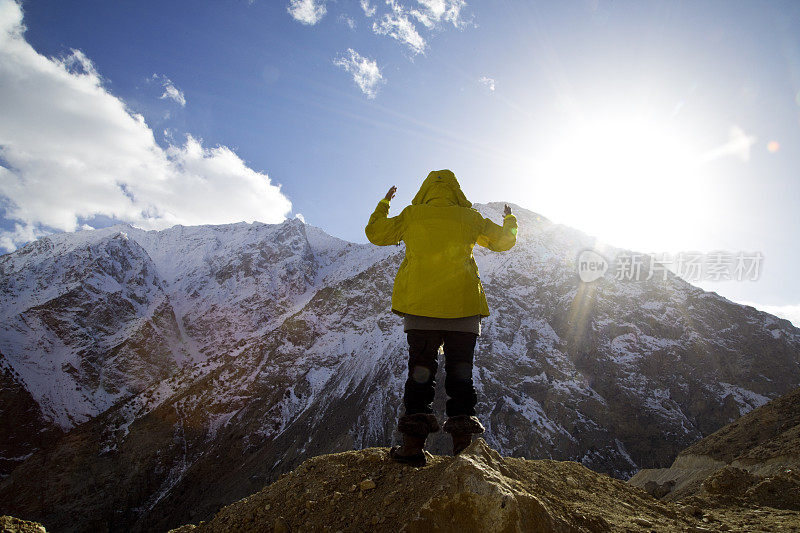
284, 347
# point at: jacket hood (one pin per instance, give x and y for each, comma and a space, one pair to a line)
441, 189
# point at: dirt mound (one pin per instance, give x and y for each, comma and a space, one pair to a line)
476, 491
767, 432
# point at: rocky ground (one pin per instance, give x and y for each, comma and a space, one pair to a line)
477, 491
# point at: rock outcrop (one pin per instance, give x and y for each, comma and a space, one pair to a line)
477, 491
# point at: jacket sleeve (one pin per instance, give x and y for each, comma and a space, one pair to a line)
497, 238
381, 229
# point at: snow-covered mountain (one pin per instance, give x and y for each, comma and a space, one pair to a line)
188, 367
94, 317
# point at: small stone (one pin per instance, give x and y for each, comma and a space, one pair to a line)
706, 520
693, 510
267, 507
353, 488
310, 504
367, 484
336, 495
642, 522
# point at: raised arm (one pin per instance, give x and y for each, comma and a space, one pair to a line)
499, 238
381, 229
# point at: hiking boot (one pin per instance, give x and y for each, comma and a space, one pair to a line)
410, 452
415, 429
461, 429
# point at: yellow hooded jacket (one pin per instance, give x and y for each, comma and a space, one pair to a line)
438, 277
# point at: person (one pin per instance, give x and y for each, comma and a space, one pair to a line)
438, 293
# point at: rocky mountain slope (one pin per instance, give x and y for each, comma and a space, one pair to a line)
93, 318
232, 353
755, 460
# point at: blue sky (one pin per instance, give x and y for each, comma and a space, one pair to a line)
658, 126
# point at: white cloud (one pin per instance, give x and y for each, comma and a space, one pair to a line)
432, 12
398, 26
170, 91
402, 19
789, 312
738, 145
70, 150
20, 234
489, 83
369, 10
365, 71
307, 11
344, 19
300, 217
173, 93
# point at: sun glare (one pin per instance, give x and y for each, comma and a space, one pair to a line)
631, 182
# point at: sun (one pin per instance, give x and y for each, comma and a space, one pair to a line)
631, 181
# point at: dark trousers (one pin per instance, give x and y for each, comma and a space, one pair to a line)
423, 349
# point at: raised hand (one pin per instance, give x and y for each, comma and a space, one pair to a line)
390, 194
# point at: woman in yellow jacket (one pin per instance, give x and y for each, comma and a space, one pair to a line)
438, 293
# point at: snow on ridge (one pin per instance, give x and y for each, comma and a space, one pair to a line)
163, 245
63, 242
747, 400
232, 286
175, 254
